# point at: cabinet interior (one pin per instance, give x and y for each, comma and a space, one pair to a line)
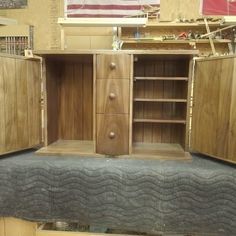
160, 99
69, 88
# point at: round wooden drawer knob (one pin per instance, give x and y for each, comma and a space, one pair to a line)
112, 135
112, 96
112, 65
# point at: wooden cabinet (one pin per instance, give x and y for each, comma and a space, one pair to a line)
132, 103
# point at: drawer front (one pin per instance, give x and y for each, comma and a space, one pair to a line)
112, 134
113, 66
112, 96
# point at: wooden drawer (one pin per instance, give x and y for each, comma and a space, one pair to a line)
112, 134
113, 66
112, 96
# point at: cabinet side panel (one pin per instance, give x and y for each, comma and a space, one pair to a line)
222, 138
211, 110
34, 102
232, 124
22, 104
2, 109
9, 75
76, 99
88, 104
52, 102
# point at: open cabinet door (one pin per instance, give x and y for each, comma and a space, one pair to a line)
214, 108
20, 106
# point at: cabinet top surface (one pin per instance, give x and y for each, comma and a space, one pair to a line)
91, 52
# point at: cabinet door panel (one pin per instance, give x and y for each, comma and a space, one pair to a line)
113, 66
20, 114
212, 107
112, 96
232, 123
112, 134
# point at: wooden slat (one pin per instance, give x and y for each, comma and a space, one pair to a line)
148, 107
168, 89
77, 92
2, 109
158, 87
138, 108
164, 121
34, 102
131, 92
10, 104
160, 78
66, 107
88, 102
177, 53
159, 100
23, 132
51, 101
94, 103
153, 41
232, 123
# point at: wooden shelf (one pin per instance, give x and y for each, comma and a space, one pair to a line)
159, 100
182, 24
162, 121
161, 78
177, 41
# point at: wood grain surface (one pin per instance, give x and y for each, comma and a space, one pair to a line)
213, 113
160, 99
20, 100
112, 96
121, 68
117, 124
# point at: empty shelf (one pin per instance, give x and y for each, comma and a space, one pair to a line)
163, 121
159, 100
161, 78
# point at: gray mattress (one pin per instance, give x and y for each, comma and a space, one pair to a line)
147, 196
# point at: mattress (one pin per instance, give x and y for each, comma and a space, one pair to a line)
147, 196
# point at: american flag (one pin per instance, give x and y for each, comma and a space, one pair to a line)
106, 8
219, 7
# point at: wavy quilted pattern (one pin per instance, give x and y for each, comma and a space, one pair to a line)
146, 196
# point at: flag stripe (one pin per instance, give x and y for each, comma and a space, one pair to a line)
102, 12
110, 2
104, 7
219, 7
107, 8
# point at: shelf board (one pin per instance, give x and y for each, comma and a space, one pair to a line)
162, 121
161, 78
177, 41
159, 100
182, 24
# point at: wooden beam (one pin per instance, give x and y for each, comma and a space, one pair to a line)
216, 31
210, 37
102, 22
7, 21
